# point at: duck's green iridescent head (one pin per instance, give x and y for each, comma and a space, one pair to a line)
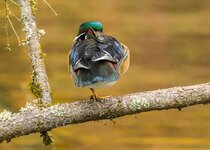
96, 26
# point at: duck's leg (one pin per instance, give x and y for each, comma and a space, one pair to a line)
94, 94
95, 97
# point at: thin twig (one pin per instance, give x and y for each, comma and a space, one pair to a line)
50, 7
7, 37
15, 3
15, 16
5, 25
10, 22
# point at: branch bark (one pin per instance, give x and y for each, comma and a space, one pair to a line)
32, 119
39, 86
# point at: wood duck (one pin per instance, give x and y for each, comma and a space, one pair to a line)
97, 60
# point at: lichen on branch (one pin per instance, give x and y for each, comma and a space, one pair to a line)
32, 119
39, 86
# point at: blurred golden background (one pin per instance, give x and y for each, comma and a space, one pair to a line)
169, 42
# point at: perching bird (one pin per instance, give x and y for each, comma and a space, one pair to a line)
97, 60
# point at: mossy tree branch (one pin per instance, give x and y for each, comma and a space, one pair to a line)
32, 119
39, 86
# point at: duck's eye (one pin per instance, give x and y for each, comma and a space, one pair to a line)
90, 32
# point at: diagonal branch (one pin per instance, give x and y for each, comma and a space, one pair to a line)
32, 119
39, 86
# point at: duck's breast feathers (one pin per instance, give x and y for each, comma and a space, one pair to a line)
125, 61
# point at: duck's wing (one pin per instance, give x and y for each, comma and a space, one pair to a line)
110, 49
75, 58
80, 52
90, 65
114, 51
98, 60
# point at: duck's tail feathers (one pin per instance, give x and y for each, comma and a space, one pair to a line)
99, 72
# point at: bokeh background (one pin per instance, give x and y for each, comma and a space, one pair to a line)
169, 43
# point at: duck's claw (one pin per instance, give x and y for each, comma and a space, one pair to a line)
99, 98
92, 97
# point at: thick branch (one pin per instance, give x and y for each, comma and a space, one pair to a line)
31, 119
39, 86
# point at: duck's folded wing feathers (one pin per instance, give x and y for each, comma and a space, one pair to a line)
103, 55
111, 48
